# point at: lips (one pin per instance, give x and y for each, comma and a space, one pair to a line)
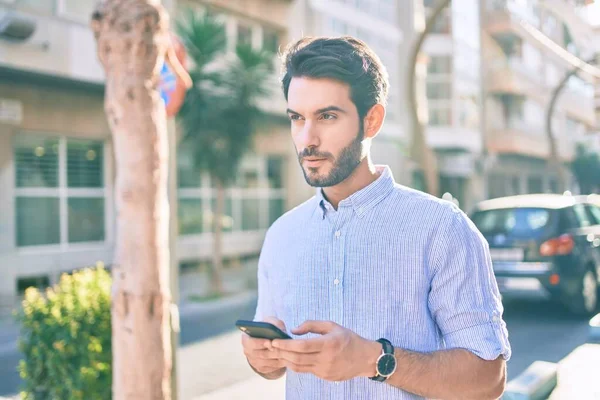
314, 162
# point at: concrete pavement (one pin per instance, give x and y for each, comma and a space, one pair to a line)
251, 389
216, 369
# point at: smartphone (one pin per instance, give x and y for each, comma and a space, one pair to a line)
261, 330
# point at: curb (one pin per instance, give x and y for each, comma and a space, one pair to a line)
190, 308
535, 383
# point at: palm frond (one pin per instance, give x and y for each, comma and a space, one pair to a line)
220, 112
203, 36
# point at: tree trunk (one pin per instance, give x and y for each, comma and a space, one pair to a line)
420, 151
217, 264
132, 39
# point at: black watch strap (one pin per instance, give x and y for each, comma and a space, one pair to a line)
388, 348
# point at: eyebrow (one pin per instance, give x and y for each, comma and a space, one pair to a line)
320, 110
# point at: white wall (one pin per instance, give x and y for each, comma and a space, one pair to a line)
70, 50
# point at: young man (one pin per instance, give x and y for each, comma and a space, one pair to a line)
389, 292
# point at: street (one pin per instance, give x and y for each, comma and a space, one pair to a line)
538, 331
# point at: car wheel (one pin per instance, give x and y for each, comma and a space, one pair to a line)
586, 300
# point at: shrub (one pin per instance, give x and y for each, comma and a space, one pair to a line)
66, 338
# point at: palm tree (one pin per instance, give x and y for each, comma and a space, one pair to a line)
220, 114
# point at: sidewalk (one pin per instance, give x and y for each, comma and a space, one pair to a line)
251, 389
216, 369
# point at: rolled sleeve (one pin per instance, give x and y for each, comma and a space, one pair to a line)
464, 299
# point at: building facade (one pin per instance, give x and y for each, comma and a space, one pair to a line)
527, 49
454, 98
56, 155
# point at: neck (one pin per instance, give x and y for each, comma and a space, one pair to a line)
363, 176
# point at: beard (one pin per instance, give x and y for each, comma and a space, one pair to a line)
343, 166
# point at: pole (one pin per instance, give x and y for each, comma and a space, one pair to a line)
420, 151
173, 235
554, 156
170, 5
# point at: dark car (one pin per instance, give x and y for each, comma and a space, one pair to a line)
544, 245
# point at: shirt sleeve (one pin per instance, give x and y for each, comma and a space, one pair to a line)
264, 307
464, 299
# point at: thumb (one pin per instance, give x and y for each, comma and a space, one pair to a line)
320, 327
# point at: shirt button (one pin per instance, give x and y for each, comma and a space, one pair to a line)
336, 281
338, 233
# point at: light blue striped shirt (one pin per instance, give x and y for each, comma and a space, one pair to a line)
391, 262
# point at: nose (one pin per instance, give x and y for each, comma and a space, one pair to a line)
307, 136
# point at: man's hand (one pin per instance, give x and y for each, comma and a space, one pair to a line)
338, 355
261, 355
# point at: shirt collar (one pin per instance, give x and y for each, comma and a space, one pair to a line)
364, 199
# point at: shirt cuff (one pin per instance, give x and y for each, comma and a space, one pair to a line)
487, 341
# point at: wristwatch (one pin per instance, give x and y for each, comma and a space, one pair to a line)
386, 363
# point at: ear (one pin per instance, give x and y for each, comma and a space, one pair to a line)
373, 121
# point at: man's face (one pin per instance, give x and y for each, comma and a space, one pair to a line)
326, 130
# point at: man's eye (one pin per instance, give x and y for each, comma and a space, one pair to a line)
294, 117
327, 116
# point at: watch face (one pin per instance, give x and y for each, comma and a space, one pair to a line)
386, 365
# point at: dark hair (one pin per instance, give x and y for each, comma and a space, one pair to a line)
346, 59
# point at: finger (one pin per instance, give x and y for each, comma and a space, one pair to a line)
315, 345
300, 358
320, 327
255, 344
299, 368
265, 354
267, 366
277, 322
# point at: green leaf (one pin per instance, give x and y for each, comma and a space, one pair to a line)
66, 338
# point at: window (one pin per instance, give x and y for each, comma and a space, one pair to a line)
496, 186
439, 65
270, 41
595, 212
515, 182
60, 195
191, 216
441, 116
276, 209
443, 23
275, 172
535, 184
244, 35
468, 112
45, 6
256, 200
439, 90
582, 216
534, 115
513, 222
79, 9
553, 184
251, 214
227, 218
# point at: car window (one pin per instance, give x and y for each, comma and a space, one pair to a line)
515, 222
568, 220
594, 213
582, 216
